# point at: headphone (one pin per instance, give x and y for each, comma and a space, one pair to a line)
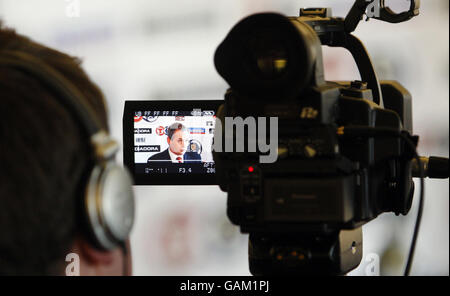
108, 204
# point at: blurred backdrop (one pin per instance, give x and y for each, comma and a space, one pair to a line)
154, 50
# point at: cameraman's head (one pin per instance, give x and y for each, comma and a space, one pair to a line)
177, 138
45, 160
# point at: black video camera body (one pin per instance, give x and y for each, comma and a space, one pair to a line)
304, 211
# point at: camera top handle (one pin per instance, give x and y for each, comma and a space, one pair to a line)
335, 32
331, 32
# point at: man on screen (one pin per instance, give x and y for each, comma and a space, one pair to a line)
176, 153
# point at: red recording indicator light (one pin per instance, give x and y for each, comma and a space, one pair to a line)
251, 169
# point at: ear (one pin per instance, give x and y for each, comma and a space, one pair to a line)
93, 255
168, 141
129, 262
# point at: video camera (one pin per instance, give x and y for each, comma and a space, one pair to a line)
339, 153
346, 150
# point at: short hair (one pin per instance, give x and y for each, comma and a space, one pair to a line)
45, 157
173, 128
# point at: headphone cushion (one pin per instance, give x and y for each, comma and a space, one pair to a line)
109, 204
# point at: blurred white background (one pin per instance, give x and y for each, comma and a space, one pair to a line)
152, 50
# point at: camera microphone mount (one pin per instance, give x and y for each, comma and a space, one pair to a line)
386, 14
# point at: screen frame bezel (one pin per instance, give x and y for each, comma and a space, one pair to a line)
128, 140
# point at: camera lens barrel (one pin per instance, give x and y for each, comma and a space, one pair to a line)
268, 55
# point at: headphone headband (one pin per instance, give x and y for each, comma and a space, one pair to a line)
65, 92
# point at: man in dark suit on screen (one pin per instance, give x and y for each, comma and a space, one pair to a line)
176, 153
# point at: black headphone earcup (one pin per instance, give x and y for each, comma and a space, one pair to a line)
109, 206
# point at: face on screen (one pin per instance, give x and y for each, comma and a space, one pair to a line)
179, 142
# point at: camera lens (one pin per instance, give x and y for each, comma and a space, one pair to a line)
268, 56
272, 64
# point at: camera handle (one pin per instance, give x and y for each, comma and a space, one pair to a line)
332, 32
335, 32
363, 61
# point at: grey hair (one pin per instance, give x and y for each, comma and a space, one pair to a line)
173, 128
